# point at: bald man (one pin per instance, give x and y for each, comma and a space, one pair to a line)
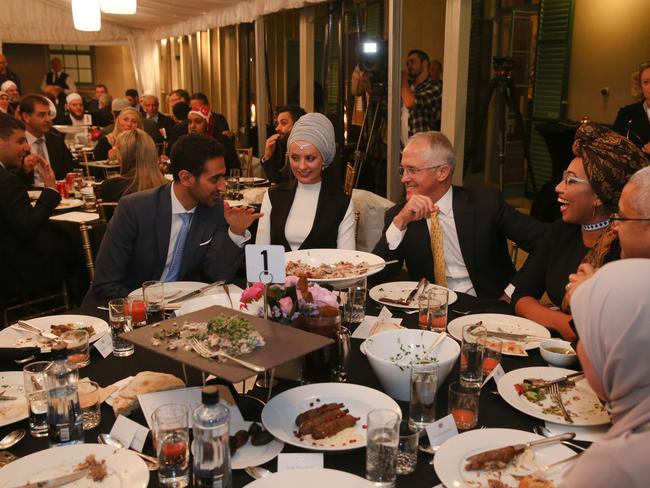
6, 73
56, 76
150, 105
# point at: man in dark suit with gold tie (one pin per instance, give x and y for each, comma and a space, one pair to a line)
467, 228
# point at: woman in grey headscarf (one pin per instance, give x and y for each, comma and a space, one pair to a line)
611, 312
308, 212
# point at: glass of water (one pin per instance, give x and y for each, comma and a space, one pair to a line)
36, 393
120, 322
153, 293
424, 385
471, 355
381, 447
355, 305
171, 441
90, 404
407, 450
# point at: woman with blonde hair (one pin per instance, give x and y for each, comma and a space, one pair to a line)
138, 158
128, 119
632, 120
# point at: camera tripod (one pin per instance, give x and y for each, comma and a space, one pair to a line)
505, 87
373, 120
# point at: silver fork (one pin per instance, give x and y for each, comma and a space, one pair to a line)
554, 391
22, 325
204, 352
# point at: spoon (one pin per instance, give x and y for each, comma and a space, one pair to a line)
438, 340
257, 472
152, 462
543, 431
12, 438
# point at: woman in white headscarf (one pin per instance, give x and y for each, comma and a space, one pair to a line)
611, 312
308, 212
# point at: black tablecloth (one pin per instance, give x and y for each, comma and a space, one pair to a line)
494, 412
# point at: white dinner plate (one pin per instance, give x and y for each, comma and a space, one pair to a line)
316, 257
279, 414
449, 461
252, 180
214, 297
67, 203
497, 322
173, 290
11, 384
397, 290
250, 455
313, 478
580, 401
123, 467
13, 337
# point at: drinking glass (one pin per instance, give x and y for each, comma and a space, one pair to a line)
90, 405
138, 311
36, 393
407, 449
438, 299
171, 440
491, 355
355, 305
77, 348
424, 385
89, 198
471, 355
381, 448
232, 183
463, 405
154, 300
120, 323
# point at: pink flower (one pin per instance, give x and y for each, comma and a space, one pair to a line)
286, 305
252, 293
323, 297
291, 281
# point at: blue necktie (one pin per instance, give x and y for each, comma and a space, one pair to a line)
177, 257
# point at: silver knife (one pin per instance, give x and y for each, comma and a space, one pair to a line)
515, 337
58, 481
561, 379
195, 292
422, 284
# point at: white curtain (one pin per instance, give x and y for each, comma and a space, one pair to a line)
146, 64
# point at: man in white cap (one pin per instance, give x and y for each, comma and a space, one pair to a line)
11, 89
76, 115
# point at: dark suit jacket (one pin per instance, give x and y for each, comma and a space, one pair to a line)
102, 117
632, 122
164, 122
275, 168
60, 159
483, 222
134, 248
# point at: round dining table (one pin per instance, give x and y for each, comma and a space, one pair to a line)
493, 412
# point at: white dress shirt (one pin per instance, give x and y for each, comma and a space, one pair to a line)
177, 222
72, 87
301, 219
455, 268
647, 109
31, 139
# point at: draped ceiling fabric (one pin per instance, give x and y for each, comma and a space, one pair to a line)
50, 22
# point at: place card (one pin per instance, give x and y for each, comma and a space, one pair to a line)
289, 461
130, 433
104, 345
384, 314
497, 373
265, 264
369, 321
441, 430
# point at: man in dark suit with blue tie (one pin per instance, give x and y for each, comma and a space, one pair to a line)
182, 231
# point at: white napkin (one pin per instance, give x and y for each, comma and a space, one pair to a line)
76, 217
591, 434
368, 323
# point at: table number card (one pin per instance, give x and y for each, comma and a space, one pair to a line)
288, 462
131, 433
441, 430
497, 373
105, 345
265, 264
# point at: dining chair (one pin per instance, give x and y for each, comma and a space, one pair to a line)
106, 210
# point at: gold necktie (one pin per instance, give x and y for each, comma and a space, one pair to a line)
438, 251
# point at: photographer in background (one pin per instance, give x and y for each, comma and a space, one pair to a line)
421, 96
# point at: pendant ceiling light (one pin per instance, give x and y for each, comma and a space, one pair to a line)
123, 7
86, 15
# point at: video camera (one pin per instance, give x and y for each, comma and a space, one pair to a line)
503, 65
373, 59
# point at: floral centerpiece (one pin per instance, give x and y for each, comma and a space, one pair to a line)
292, 302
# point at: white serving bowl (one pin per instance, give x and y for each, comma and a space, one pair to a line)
555, 358
393, 372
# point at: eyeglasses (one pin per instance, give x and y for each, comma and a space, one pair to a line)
410, 171
617, 217
569, 179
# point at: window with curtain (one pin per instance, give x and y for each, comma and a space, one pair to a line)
78, 61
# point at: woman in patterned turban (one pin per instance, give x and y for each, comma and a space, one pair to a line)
588, 194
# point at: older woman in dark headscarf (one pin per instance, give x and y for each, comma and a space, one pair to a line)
611, 312
308, 212
588, 194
